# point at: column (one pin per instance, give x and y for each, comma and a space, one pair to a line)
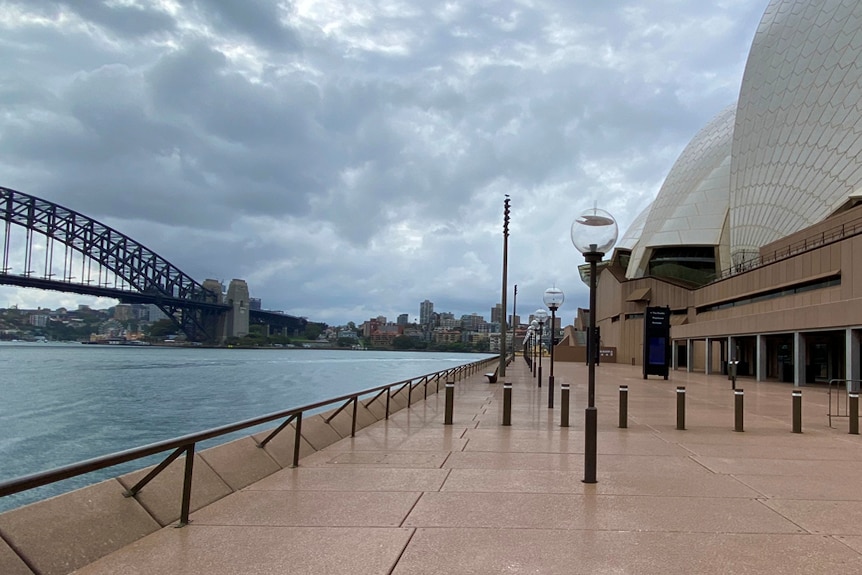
853, 369
689, 355
798, 359
673, 355
708, 356
761, 358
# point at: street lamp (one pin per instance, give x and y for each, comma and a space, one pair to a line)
535, 326
594, 232
541, 316
553, 298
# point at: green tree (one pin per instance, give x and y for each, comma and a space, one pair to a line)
402, 342
162, 328
313, 330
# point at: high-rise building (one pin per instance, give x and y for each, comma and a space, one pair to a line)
426, 312
403, 319
497, 313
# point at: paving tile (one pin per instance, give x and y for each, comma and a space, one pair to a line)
309, 509
565, 552
408, 459
788, 467
822, 517
838, 487
228, 550
353, 479
596, 512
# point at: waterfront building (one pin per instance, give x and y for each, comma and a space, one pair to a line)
39, 319
123, 312
403, 319
447, 336
426, 312
751, 240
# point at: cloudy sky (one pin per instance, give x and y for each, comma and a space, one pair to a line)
349, 158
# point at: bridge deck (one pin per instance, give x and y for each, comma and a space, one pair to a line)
410, 496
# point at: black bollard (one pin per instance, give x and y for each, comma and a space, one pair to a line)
450, 402
797, 411
624, 406
564, 405
739, 398
853, 413
507, 404
680, 408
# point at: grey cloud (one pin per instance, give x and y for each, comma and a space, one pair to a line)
258, 20
123, 20
344, 178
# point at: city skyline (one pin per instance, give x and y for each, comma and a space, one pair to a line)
348, 160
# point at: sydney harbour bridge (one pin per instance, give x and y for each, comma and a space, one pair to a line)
50, 247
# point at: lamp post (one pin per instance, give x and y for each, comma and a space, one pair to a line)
541, 316
553, 298
593, 233
535, 327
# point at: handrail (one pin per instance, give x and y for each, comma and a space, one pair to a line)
186, 443
834, 234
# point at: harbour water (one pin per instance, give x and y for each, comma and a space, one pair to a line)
63, 403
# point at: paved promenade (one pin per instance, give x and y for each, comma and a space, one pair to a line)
412, 496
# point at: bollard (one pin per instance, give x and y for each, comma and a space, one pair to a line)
624, 406
854, 413
507, 404
739, 397
564, 405
797, 411
450, 402
680, 408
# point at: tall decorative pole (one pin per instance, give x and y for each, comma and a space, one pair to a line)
503, 343
594, 232
553, 298
514, 313
535, 325
541, 316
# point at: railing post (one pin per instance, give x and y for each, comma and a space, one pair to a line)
409, 393
355, 408
853, 413
624, 406
297, 437
187, 486
564, 405
450, 402
797, 411
680, 408
388, 395
739, 398
507, 404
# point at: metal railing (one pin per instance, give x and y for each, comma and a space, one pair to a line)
832, 235
185, 445
841, 400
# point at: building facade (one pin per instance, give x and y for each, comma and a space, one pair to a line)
752, 238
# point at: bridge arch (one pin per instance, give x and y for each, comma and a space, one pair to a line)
124, 269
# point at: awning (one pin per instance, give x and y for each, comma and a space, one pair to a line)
643, 294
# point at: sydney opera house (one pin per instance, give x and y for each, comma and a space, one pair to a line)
754, 240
